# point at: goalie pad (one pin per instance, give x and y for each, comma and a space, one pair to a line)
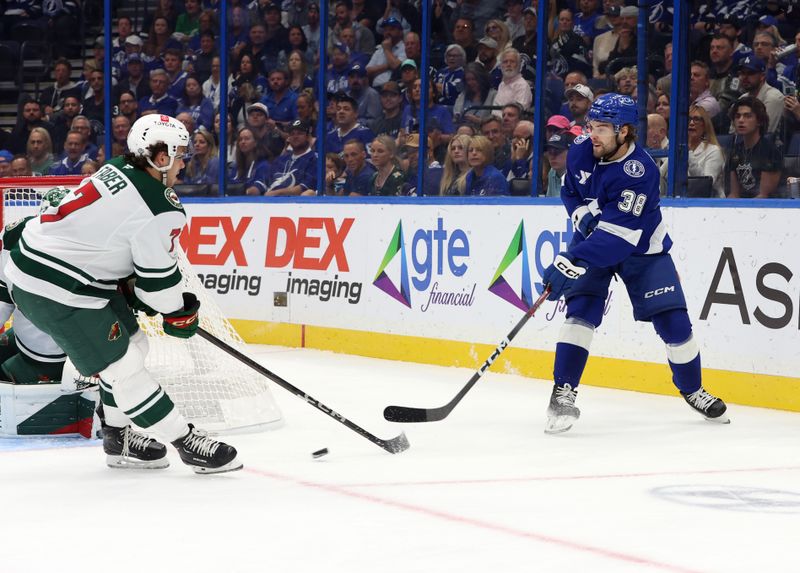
43, 410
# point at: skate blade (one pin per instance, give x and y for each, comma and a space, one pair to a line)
723, 419
559, 424
232, 466
123, 463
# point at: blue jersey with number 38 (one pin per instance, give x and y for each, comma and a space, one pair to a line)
627, 195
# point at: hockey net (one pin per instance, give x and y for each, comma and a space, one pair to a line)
212, 390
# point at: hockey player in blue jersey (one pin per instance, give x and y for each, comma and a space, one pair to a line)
611, 191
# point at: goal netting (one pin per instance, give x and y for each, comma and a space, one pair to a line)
213, 390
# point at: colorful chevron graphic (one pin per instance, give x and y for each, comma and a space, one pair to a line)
382, 280
500, 286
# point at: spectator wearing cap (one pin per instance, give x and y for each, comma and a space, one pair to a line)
159, 100
526, 43
358, 174
478, 92
699, 92
52, 98
347, 126
74, 156
388, 121
389, 54
515, 20
521, 150
555, 150
408, 75
626, 40
342, 12
269, 140
336, 76
483, 178
369, 101
5, 162
464, 36
752, 79
401, 10
571, 80
579, 100
280, 100
513, 88
134, 79
450, 79
250, 169
295, 171
731, 27
276, 36
487, 57
556, 124
431, 177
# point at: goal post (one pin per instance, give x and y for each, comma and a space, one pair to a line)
212, 389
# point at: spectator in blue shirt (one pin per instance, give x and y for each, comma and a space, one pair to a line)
203, 167
159, 100
194, 102
74, 155
280, 100
173, 64
450, 79
295, 172
249, 169
358, 175
347, 126
483, 178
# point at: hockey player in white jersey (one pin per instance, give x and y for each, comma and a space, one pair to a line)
123, 221
611, 193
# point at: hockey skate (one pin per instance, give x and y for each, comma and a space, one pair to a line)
126, 448
561, 412
206, 455
710, 407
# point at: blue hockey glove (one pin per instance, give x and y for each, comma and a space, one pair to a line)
586, 217
561, 274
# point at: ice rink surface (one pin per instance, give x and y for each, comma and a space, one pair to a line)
641, 483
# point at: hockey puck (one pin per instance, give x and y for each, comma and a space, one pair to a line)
319, 453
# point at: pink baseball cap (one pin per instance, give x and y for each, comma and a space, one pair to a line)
558, 121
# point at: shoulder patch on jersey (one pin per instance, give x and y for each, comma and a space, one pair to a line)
581, 138
172, 197
633, 167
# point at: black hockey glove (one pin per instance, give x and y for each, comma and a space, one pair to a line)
183, 323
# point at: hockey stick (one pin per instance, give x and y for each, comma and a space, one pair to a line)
393, 446
410, 414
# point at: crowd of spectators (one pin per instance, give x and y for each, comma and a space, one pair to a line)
744, 114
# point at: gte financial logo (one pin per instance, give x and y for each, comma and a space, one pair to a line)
434, 253
512, 281
313, 244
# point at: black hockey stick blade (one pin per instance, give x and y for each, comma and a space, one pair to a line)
393, 446
408, 414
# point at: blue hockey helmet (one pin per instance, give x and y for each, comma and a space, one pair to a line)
615, 109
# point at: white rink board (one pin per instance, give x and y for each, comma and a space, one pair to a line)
458, 248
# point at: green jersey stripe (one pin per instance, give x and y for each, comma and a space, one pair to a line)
54, 276
145, 404
56, 261
38, 355
154, 413
153, 284
153, 271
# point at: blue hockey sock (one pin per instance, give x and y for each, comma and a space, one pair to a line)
687, 377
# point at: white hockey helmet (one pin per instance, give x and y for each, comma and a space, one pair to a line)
157, 128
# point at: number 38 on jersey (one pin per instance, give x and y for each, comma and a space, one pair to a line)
632, 203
